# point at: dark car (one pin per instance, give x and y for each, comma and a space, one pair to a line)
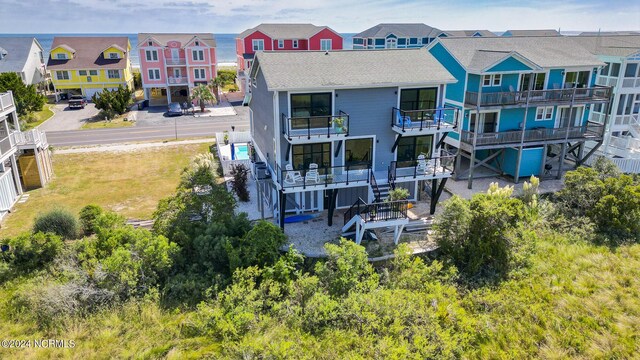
174, 109
77, 101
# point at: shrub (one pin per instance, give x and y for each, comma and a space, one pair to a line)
260, 246
57, 221
26, 97
346, 269
32, 251
88, 216
113, 101
240, 173
398, 194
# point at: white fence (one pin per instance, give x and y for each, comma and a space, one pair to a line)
629, 166
8, 193
233, 137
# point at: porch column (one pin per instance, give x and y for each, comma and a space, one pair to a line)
333, 194
544, 161
472, 161
16, 176
516, 178
37, 155
168, 95
283, 204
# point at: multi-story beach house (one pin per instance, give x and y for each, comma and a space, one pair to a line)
335, 136
25, 160
87, 65
173, 64
23, 56
396, 36
526, 103
281, 37
468, 33
621, 54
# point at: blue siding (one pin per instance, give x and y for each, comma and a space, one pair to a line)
529, 165
555, 77
455, 92
510, 64
474, 83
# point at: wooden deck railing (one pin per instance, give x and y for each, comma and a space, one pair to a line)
594, 131
533, 97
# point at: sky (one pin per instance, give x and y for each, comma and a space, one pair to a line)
347, 16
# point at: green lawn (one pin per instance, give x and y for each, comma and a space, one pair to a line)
104, 124
130, 183
40, 117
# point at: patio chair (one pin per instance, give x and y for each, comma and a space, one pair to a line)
422, 164
291, 176
400, 119
312, 174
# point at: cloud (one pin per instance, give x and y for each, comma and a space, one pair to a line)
233, 16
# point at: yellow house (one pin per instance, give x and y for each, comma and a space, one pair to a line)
87, 65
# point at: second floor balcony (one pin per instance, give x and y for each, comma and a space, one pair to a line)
591, 131
6, 102
317, 176
427, 120
175, 61
182, 80
598, 94
313, 128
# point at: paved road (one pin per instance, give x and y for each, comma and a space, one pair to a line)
186, 128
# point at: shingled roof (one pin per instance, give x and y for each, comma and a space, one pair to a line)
88, 52
468, 32
475, 54
183, 38
284, 70
417, 30
536, 32
612, 45
15, 52
286, 31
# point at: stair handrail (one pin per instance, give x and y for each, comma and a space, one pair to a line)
378, 211
354, 210
375, 188
391, 175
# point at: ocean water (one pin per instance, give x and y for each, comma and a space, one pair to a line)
225, 48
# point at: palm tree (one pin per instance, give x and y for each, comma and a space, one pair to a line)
216, 82
203, 95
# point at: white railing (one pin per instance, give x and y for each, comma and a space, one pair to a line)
30, 137
6, 101
598, 117
630, 82
607, 81
178, 80
8, 193
625, 143
625, 119
228, 164
7, 144
629, 166
234, 137
172, 61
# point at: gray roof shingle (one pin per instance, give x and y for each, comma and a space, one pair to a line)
17, 52
477, 53
416, 30
537, 32
183, 38
469, 32
612, 45
286, 31
350, 69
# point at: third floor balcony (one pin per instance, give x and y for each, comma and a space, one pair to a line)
598, 94
301, 129
175, 61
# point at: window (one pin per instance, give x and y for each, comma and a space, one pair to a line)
295, 44
488, 122
198, 55
418, 99
392, 43
402, 42
93, 72
605, 69
82, 72
325, 44
61, 56
62, 75
578, 79
538, 81
492, 80
615, 70
199, 73
310, 110
544, 113
258, 44
280, 44
318, 153
413, 41
358, 153
154, 74
631, 70
113, 74
152, 55
114, 56
249, 63
197, 43
410, 147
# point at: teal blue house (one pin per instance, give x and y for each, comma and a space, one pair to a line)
396, 36
525, 104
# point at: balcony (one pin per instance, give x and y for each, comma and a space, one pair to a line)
424, 121
538, 97
6, 102
607, 81
175, 62
540, 136
440, 166
314, 128
30, 139
330, 177
177, 80
7, 145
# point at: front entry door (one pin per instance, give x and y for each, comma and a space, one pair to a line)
569, 119
488, 122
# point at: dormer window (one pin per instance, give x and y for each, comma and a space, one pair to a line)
61, 56
197, 43
114, 56
150, 43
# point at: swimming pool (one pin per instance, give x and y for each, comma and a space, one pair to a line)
239, 152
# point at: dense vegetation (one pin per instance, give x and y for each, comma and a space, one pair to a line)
113, 102
26, 97
516, 277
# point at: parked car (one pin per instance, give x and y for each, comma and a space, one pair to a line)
77, 101
174, 109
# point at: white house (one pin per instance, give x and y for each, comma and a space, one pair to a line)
23, 55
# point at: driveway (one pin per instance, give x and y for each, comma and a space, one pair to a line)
154, 116
68, 119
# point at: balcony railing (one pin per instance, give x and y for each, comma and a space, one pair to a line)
424, 119
7, 144
630, 82
510, 98
179, 61
436, 166
178, 80
378, 211
31, 137
323, 176
607, 81
591, 131
316, 126
6, 101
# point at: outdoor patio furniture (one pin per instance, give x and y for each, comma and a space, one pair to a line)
400, 119
422, 164
312, 174
291, 176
